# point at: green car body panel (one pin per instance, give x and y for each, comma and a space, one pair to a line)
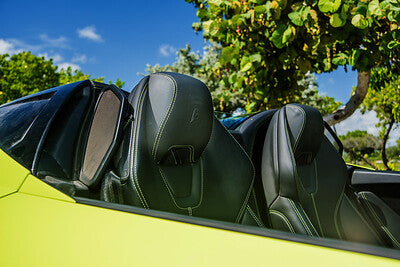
40, 226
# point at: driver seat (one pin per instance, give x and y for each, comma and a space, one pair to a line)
177, 157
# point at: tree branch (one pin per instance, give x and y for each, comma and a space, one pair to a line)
384, 141
355, 100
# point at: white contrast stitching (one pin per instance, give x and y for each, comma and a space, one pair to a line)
134, 150
165, 119
285, 219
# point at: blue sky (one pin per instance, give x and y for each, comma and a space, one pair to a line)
116, 39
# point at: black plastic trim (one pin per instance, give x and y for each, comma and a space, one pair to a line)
50, 111
333, 134
326, 242
370, 177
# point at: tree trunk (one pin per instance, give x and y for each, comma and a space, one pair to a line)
369, 163
355, 100
384, 141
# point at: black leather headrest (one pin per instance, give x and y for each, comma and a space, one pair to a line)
182, 110
306, 130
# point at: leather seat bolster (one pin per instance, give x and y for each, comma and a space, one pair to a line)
384, 216
288, 215
353, 226
251, 218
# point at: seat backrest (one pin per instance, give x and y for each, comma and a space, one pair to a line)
177, 157
305, 180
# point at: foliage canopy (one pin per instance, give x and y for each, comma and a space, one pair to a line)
24, 73
384, 98
225, 99
268, 46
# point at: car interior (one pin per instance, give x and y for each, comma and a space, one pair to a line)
161, 148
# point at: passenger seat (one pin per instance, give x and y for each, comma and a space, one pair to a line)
305, 184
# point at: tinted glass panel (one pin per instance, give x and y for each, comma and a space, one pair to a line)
101, 134
16, 121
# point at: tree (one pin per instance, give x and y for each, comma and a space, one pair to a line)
310, 96
393, 152
70, 76
227, 99
205, 68
24, 74
384, 98
359, 144
268, 46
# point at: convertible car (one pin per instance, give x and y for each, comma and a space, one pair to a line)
93, 175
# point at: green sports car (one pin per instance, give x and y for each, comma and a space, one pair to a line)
93, 175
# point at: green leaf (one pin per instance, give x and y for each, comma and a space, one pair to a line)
214, 28
227, 54
287, 34
277, 36
354, 57
340, 59
295, 18
336, 21
327, 6
246, 67
393, 44
260, 9
374, 8
196, 26
215, 2
202, 13
359, 21
255, 58
206, 25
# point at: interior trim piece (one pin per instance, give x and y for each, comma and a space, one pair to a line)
326, 242
363, 177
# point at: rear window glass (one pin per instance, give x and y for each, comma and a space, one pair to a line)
16, 121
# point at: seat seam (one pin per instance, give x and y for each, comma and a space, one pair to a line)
285, 219
191, 148
302, 126
255, 201
252, 180
312, 197
300, 217
338, 202
254, 216
384, 228
166, 117
134, 150
242, 209
171, 194
364, 221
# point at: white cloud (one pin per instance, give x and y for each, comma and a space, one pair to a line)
166, 50
79, 59
60, 42
7, 47
57, 58
65, 66
15, 46
365, 122
89, 32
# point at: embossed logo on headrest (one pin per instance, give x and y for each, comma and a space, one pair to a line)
195, 115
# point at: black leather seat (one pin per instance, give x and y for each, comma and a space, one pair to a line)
305, 181
177, 157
